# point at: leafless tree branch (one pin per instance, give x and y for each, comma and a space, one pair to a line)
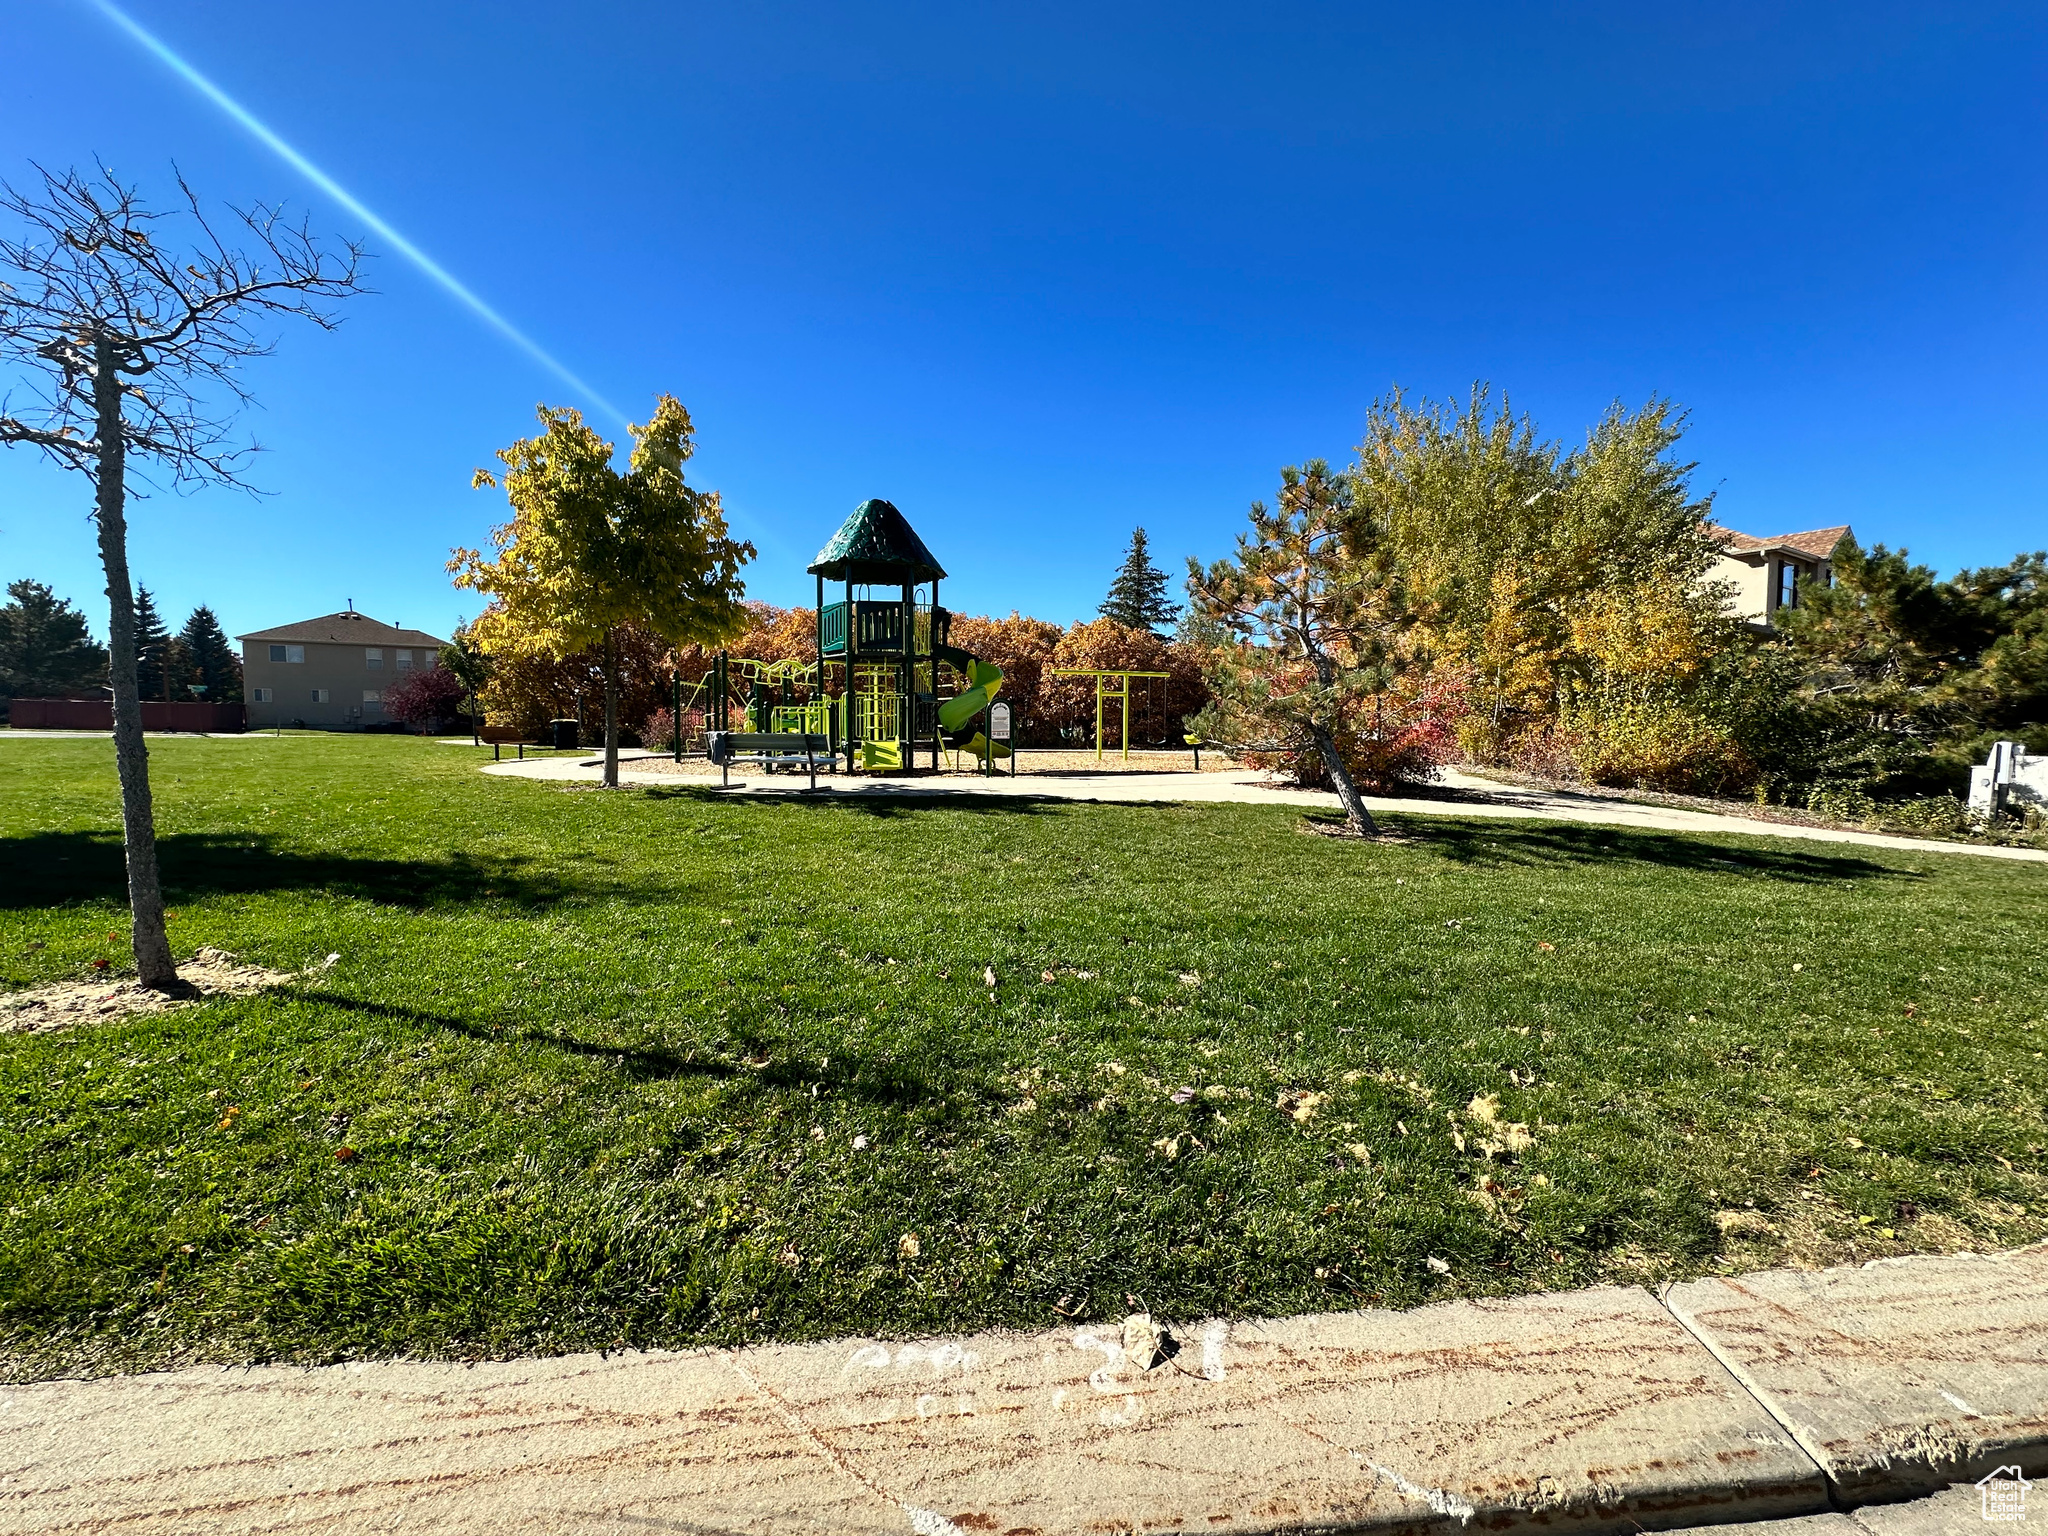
91, 276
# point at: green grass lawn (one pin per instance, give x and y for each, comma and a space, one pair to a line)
652, 1067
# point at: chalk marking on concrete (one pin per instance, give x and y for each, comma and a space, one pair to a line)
1957, 1402
1104, 1379
1213, 1338
872, 1356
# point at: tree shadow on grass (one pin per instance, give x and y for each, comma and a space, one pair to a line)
881, 1081
1536, 845
46, 869
875, 801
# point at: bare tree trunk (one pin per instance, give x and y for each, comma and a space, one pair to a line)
611, 711
1347, 792
152, 944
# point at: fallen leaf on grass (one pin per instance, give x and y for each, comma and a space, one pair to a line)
1300, 1104
1437, 1265
907, 1246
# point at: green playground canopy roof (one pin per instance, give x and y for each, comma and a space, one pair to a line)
876, 544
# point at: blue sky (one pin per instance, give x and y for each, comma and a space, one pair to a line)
1042, 274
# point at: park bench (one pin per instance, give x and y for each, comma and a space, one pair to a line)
771, 749
500, 737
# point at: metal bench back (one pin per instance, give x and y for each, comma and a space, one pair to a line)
724, 746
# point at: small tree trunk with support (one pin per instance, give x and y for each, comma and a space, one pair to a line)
611, 709
150, 939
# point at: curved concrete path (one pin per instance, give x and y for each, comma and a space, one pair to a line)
1244, 785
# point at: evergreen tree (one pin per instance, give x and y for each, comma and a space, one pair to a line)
45, 648
151, 639
1317, 607
212, 659
1137, 598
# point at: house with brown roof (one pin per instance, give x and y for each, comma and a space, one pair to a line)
330, 673
1768, 573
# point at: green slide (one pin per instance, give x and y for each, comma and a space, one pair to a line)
984, 682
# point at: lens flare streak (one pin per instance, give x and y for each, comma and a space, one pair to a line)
263, 134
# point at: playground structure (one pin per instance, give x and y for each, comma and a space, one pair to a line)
1112, 685
886, 686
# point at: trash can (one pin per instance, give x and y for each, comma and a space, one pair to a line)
566, 736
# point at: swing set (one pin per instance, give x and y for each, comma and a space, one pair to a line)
1114, 687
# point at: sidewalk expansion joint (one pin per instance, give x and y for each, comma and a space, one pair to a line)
1750, 1389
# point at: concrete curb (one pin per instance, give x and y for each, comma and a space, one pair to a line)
1607, 1410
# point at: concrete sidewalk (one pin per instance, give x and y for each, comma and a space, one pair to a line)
1766, 1397
1507, 802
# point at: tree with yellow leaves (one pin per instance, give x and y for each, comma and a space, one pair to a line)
1649, 695
590, 548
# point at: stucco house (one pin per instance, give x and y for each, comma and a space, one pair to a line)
329, 673
1768, 573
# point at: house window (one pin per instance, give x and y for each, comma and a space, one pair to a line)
319, 695
288, 653
262, 696
372, 696
1788, 584
405, 661
373, 658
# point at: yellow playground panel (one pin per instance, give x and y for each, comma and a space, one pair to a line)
1110, 686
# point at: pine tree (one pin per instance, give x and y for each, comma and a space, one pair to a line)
1318, 610
151, 639
212, 659
45, 648
1137, 598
